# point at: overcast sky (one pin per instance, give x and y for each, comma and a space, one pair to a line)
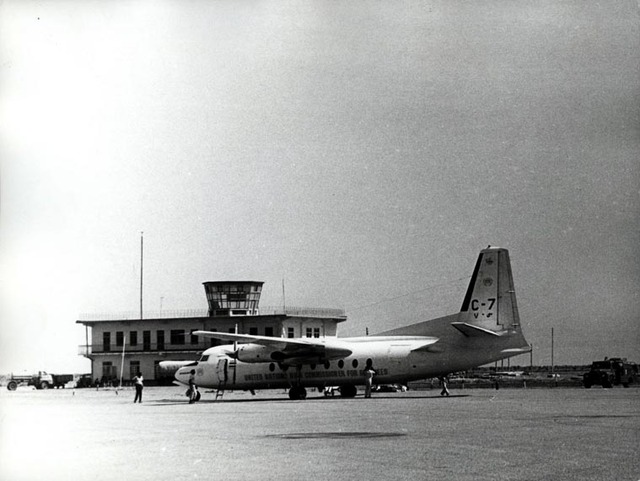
364, 152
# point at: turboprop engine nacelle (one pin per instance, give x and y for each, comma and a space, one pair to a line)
256, 353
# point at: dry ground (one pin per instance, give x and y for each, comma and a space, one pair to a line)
510, 434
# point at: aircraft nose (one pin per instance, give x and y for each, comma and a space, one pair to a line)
184, 372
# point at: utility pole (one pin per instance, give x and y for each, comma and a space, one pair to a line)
531, 357
284, 301
141, 268
552, 360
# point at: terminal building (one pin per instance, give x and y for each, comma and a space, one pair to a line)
119, 346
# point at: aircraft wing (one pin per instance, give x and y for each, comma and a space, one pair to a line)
302, 351
264, 340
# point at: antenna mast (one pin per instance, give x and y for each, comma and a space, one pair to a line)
284, 303
141, 268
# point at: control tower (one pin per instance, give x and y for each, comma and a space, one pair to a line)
233, 298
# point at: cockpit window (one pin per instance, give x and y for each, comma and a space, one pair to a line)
204, 358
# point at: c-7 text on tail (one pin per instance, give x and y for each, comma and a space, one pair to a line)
486, 329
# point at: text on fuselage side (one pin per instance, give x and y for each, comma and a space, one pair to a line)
311, 374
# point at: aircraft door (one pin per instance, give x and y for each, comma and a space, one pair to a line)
222, 371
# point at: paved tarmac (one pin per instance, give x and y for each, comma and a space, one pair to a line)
476, 434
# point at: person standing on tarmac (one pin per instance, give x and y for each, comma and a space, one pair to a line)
138, 383
445, 390
369, 372
193, 389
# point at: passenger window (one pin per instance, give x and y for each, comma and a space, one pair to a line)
355, 363
340, 363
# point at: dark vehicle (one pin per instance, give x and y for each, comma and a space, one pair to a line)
385, 388
611, 372
85, 380
61, 380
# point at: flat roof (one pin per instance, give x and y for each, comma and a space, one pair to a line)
336, 315
233, 282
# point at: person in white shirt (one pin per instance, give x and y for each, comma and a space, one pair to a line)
138, 383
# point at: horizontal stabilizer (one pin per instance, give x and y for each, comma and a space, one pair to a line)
470, 330
517, 350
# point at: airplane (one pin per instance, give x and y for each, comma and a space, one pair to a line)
486, 329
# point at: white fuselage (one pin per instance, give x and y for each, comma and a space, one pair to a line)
392, 358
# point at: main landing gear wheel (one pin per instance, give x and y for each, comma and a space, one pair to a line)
297, 393
348, 390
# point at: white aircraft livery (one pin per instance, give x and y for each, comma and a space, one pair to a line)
486, 329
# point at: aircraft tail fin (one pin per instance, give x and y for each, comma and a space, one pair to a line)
489, 306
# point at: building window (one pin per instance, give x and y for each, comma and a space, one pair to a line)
290, 332
253, 331
134, 369
119, 338
309, 332
146, 340
106, 341
177, 337
232, 330
133, 338
268, 331
194, 339
108, 371
316, 332
160, 340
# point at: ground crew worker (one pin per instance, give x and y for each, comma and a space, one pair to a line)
138, 383
369, 372
445, 390
193, 389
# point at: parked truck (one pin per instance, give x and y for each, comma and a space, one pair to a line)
611, 372
42, 380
